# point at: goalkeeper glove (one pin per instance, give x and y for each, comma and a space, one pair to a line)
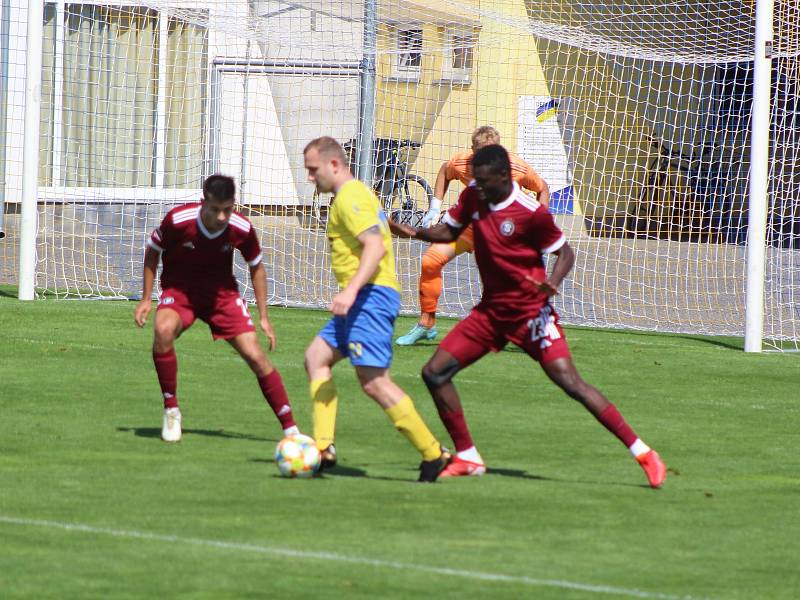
433, 212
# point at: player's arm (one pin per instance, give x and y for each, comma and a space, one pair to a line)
543, 195
442, 181
565, 260
453, 223
534, 182
441, 233
373, 250
145, 305
439, 190
258, 277
250, 250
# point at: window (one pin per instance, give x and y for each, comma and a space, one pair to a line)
459, 54
122, 98
409, 54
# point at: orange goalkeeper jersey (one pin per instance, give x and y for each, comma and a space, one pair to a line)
460, 167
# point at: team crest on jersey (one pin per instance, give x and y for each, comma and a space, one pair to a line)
188, 245
226, 248
507, 227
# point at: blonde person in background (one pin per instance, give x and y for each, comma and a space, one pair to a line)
438, 255
364, 310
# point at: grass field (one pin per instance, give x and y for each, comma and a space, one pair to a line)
94, 505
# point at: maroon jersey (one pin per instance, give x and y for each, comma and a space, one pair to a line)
194, 258
510, 239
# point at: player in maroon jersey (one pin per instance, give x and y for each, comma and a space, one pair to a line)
512, 232
195, 243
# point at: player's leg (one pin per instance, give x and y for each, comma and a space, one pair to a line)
471, 339
366, 337
546, 343
166, 330
174, 315
430, 288
230, 320
269, 379
320, 357
399, 408
564, 374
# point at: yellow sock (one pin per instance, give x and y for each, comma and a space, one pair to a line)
323, 394
407, 421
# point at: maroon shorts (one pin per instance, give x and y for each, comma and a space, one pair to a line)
223, 309
540, 337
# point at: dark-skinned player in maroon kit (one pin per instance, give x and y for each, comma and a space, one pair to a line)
512, 233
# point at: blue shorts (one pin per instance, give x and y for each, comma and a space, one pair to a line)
365, 334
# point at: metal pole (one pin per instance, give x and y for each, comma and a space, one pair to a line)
759, 174
5, 24
366, 112
161, 104
30, 150
245, 108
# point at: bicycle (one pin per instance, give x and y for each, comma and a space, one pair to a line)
671, 203
405, 197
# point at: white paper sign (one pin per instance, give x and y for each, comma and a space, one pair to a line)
540, 144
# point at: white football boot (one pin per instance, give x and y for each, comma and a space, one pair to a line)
171, 429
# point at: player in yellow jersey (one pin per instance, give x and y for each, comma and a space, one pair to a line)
438, 255
364, 310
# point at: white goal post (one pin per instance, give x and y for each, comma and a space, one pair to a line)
668, 132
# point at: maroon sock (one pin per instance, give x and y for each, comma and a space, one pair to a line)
615, 423
457, 428
167, 371
275, 394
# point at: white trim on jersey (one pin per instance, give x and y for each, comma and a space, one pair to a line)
187, 214
206, 232
448, 220
528, 202
256, 260
508, 201
556, 245
240, 223
153, 245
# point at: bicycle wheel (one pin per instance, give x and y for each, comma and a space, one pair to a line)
426, 193
411, 201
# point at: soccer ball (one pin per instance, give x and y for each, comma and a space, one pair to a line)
297, 456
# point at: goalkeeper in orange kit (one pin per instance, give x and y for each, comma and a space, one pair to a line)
438, 255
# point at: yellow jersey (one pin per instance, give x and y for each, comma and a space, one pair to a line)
354, 210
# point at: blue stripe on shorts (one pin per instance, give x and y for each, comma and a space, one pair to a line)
365, 334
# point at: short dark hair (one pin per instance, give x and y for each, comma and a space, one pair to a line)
494, 156
219, 187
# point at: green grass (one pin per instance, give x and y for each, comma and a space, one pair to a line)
563, 505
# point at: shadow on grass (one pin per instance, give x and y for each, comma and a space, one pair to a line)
517, 473
525, 475
7, 291
729, 342
338, 470
732, 345
341, 471
155, 432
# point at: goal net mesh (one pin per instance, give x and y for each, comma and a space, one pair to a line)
636, 113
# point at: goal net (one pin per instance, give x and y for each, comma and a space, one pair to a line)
636, 113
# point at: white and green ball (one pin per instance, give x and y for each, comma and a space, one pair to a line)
297, 456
